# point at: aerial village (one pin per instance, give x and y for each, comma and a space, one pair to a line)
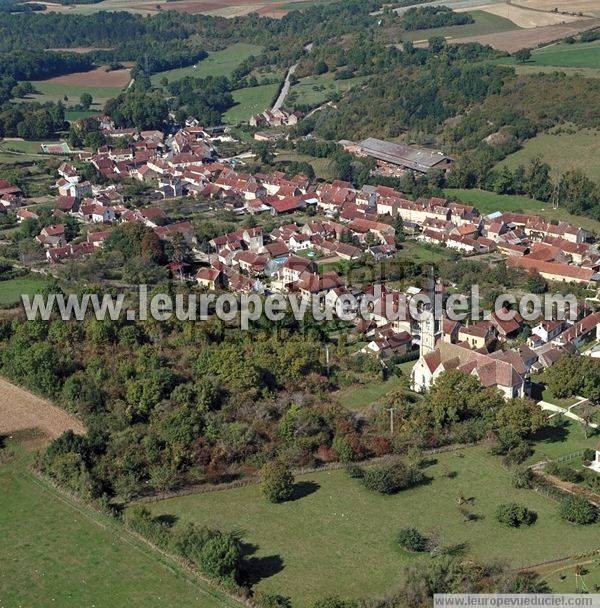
337, 222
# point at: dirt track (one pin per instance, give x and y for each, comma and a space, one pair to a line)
21, 410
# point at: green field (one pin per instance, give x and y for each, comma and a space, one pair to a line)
52, 91
565, 437
373, 393
338, 538
218, 63
250, 101
58, 553
11, 290
577, 55
314, 90
322, 166
485, 23
421, 253
562, 149
488, 202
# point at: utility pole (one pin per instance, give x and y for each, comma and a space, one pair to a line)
327, 358
391, 411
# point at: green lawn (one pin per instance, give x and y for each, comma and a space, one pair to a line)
338, 538
564, 437
421, 253
489, 202
485, 23
52, 91
314, 90
250, 101
374, 393
218, 63
322, 166
11, 290
578, 55
71, 115
58, 553
563, 149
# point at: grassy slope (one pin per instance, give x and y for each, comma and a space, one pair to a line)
56, 553
488, 202
339, 537
305, 93
370, 394
219, 63
562, 151
52, 91
485, 23
10, 291
578, 55
250, 101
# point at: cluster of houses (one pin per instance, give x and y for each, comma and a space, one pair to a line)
335, 222
481, 349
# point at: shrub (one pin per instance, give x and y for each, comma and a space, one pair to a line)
515, 515
411, 540
343, 448
577, 510
277, 482
221, 557
589, 454
522, 478
333, 602
272, 600
354, 471
391, 478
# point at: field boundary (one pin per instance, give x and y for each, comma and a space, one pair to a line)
124, 533
255, 478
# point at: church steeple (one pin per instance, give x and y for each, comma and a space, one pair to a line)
430, 326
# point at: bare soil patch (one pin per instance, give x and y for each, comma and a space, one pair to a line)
22, 411
99, 77
514, 40
524, 17
585, 7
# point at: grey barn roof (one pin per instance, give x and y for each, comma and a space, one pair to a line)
418, 159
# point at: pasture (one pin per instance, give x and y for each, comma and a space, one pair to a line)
489, 202
563, 149
250, 101
485, 23
101, 84
70, 556
11, 290
563, 55
314, 90
218, 63
336, 537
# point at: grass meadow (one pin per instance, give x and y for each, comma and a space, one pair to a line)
336, 537
250, 101
56, 552
314, 90
485, 23
218, 63
563, 149
11, 290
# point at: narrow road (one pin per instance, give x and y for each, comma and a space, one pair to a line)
287, 84
285, 89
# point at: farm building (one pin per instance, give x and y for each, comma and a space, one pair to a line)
405, 157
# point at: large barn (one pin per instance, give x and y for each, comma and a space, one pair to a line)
406, 157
